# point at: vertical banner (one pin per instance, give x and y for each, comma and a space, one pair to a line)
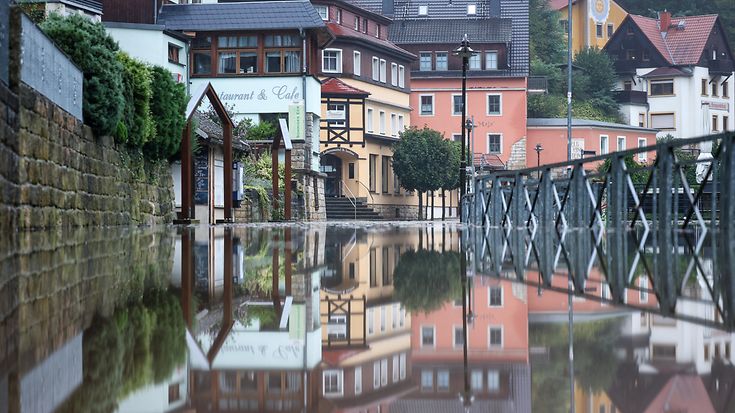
296, 116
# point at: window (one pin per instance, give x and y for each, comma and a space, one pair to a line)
376, 68
323, 11
441, 60
727, 351
493, 380
476, 380
495, 296
427, 380
427, 336
564, 26
424, 10
427, 105
371, 317
338, 109
641, 120
237, 54
384, 188
642, 156
174, 52
382, 70
401, 76
599, 30
394, 316
358, 379
456, 105
627, 85
357, 23
457, 137
475, 62
373, 172
382, 313
495, 337
621, 143
400, 123
714, 54
662, 87
704, 87
174, 392
356, 63
663, 121
201, 54
725, 121
725, 90
643, 285
494, 143
714, 88
284, 60
381, 118
332, 382
442, 380
376, 374
458, 337
604, 148
471, 9
610, 30
402, 365
394, 74
339, 16
663, 351
393, 125
369, 120
706, 352
717, 351
424, 61
494, 105
491, 60
395, 368
377, 31
383, 372
332, 61
714, 123
364, 25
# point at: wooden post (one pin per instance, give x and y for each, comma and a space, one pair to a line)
187, 273
287, 258
274, 274
274, 177
187, 195
287, 186
227, 132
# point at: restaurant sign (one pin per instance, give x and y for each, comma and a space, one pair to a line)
265, 95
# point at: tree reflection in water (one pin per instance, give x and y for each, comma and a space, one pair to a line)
426, 279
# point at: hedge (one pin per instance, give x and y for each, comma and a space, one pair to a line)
137, 118
168, 104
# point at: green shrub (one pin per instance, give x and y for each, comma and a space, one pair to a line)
137, 91
90, 48
168, 104
262, 131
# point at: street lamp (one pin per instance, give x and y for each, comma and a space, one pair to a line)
538, 150
465, 52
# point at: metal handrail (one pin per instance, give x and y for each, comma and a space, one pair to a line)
352, 200
368, 190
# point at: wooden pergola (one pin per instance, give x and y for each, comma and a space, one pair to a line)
187, 215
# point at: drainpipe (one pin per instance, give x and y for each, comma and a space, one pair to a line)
303, 74
155, 11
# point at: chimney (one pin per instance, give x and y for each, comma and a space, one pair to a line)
388, 8
664, 21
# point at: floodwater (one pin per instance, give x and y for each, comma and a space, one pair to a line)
373, 317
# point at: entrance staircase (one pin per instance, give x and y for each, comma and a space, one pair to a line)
342, 208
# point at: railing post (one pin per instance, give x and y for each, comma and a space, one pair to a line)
546, 226
726, 249
616, 214
665, 257
496, 203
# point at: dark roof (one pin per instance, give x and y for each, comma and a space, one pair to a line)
559, 122
334, 86
89, 5
493, 30
683, 42
344, 32
666, 72
441, 9
255, 15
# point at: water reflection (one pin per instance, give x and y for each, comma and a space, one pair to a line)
330, 318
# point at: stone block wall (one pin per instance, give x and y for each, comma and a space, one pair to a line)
55, 172
408, 212
517, 159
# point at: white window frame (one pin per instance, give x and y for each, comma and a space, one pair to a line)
401, 76
454, 336
642, 156
496, 374
444, 373
382, 308
381, 123
357, 23
371, 321
376, 374
369, 120
335, 107
477, 59
394, 367
604, 149
436, 58
394, 74
383, 372
643, 285
500, 104
357, 63
376, 68
424, 10
502, 337
401, 126
402, 366
487, 141
655, 115
340, 382
452, 108
491, 52
393, 130
319, 8
433, 336
473, 376
383, 68
421, 113
489, 296
617, 143
471, 9
358, 380
431, 61
426, 373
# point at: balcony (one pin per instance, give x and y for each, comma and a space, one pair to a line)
635, 97
626, 66
537, 84
720, 66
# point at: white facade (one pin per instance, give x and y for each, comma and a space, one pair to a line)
692, 111
150, 44
169, 395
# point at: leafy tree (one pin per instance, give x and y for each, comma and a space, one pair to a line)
168, 104
262, 131
450, 175
93, 51
241, 127
425, 279
547, 42
599, 79
137, 119
418, 158
637, 175
553, 75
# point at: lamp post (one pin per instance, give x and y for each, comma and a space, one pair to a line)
464, 51
538, 150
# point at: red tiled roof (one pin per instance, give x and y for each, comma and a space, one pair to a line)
342, 31
682, 393
559, 4
335, 86
678, 46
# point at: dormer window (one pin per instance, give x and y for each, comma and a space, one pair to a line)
357, 23
424, 10
339, 16
323, 12
471, 9
714, 54
377, 31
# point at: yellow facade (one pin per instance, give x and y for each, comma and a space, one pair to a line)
585, 31
586, 400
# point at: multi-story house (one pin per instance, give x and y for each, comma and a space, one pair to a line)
365, 107
675, 74
497, 75
593, 21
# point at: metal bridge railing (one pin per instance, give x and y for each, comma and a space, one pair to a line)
624, 220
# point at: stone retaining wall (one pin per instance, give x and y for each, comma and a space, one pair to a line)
55, 172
